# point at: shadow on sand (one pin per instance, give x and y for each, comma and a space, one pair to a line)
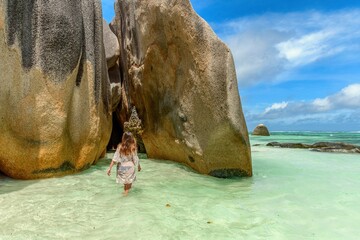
8, 184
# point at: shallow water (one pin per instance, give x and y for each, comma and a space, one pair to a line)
294, 194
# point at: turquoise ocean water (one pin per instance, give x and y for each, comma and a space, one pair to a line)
294, 194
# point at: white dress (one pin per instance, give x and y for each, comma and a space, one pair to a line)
126, 167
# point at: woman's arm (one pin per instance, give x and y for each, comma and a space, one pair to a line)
115, 159
139, 167
110, 167
137, 159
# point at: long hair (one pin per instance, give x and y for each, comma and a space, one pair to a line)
128, 144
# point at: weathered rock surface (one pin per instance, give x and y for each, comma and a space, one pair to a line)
111, 43
181, 79
115, 85
320, 146
54, 87
261, 130
112, 53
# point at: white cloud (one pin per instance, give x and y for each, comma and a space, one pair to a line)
347, 99
267, 47
308, 48
276, 106
327, 121
322, 104
256, 55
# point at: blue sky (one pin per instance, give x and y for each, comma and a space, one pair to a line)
297, 62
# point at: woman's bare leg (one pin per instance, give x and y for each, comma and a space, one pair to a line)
127, 188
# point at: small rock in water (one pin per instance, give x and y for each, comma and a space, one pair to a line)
168, 205
209, 222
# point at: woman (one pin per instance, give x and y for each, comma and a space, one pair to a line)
127, 160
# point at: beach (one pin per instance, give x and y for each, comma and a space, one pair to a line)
293, 194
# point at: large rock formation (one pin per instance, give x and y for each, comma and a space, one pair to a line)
182, 80
111, 43
261, 130
112, 53
54, 88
